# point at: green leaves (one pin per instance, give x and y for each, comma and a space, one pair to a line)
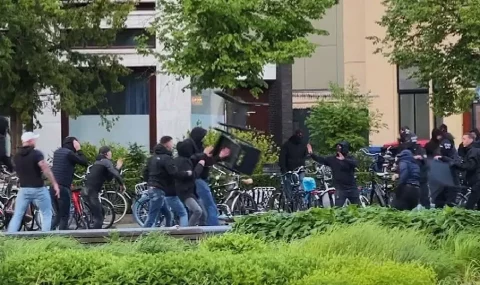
441, 38
344, 116
225, 44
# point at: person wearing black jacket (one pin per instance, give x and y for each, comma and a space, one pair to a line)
471, 166
100, 172
343, 172
293, 154
420, 158
64, 161
185, 185
160, 173
195, 143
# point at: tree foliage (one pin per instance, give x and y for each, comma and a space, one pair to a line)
226, 43
37, 54
442, 40
345, 116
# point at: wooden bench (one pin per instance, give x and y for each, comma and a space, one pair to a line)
125, 234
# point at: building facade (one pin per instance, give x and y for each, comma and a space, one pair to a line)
347, 54
150, 106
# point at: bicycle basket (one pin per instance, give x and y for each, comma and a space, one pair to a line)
139, 188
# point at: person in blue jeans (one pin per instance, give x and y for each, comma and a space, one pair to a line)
29, 166
160, 173
202, 188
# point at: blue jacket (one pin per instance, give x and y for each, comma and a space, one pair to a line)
409, 169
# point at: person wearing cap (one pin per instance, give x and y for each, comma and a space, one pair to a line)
29, 165
64, 161
101, 171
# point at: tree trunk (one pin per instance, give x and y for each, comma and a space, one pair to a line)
16, 130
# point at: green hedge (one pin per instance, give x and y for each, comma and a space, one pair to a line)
302, 224
155, 259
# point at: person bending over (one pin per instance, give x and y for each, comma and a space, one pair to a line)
343, 172
100, 172
407, 195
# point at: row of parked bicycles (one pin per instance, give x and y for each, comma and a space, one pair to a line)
235, 195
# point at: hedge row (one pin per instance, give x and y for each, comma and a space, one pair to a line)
276, 225
228, 259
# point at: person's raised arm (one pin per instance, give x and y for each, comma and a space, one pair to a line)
320, 159
113, 171
78, 158
351, 161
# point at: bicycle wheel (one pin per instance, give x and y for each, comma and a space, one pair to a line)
243, 204
108, 213
140, 212
278, 202
119, 202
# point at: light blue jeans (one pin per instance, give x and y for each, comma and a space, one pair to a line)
208, 202
41, 198
178, 210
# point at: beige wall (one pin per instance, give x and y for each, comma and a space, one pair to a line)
326, 64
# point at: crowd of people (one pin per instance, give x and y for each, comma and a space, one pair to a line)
419, 181
174, 184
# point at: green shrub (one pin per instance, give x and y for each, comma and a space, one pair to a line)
159, 243
302, 224
345, 116
236, 243
358, 270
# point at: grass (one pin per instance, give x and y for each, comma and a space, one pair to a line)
356, 254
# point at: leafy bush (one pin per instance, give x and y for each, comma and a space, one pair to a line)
346, 116
302, 224
236, 243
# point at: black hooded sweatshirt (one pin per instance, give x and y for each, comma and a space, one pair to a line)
195, 146
64, 161
293, 154
100, 172
26, 166
185, 185
343, 171
432, 148
161, 171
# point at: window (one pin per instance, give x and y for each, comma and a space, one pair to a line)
133, 100
414, 113
208, 109
407, 83
125, 39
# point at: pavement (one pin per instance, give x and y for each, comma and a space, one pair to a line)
129, 222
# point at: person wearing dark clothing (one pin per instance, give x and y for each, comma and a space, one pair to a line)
185, 186
160, 173
101, 171
471, 166
446, 134
4, 131
293, 154
432, 147
195, 144
343, 172
407, 194
64, 161
476, 143
407, 136
29, 165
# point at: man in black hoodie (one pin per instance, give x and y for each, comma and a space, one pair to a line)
29, 165
293, 154
195, 142
160, 174
64, 161
343, 172
101, 171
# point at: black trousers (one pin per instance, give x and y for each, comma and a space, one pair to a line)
425, 195
474, 198
341, 197
407, 197
62, 214
92, 199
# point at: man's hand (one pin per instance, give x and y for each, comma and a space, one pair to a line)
225, 152
208, 151
122, 188
438, 157
418, 157
201, 162
340, 156
76, 145
57, 190
119, 163
309, 149
189, 172
395, 177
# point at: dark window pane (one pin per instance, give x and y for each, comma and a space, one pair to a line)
407, 111
133, 100
125, 39
405, 82
422, 116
